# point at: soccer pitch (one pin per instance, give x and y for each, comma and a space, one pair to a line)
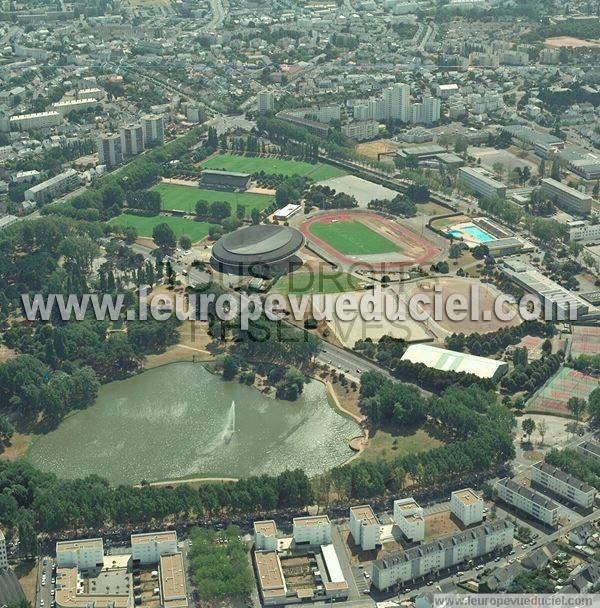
308, 283
180, 225
253, 164
184, 198
353, 238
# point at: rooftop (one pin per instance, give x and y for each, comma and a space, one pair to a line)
159, 537
562, 476
172, 581
74, 545
266, 528
467, 497
270, 574
314, 520
364, 513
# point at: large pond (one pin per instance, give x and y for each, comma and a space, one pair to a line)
178, 421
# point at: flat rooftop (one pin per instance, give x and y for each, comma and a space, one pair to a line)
406, 506
111, 590
266, 528
172, 580
84, 543
364, 513
270, 574
467, 497
313, 520
159, 537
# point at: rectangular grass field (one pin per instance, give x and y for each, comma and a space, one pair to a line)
307, 283
253, 164
180, 225
353, 238
184, 198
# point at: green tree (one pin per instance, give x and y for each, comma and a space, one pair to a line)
528, 426
164, 237
185, 242
577, 407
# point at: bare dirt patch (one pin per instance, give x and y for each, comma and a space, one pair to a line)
26, 572
569, 41
373, 148
440, 524
7, 353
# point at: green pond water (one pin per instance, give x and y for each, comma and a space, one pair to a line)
178, 421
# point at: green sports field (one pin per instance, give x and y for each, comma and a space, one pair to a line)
253, 164
180, 225
353, 238
184, 198
308, 283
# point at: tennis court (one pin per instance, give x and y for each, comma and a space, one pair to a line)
586, 341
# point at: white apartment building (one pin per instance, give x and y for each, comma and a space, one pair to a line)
569, 199
427, 112
467, 506
529, 501
265, 102
195, 114
556, 480
85, 554
59, 184
39, 120
74, 105
324, 114
408, 516
109, 150
361, 130
265, 535
154, 128
481, 182
394, 103
3, 554
132, 140
149, 548
93, 93
364, 527
431, 558
315, 530
589, 449
582, 231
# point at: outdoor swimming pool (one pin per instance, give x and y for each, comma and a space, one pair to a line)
473, 232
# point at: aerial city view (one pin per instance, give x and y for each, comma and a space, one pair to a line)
299, 303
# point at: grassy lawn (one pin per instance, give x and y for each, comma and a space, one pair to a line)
306, 282
353, 238
184, 198
180, 225
253, 164
386, 446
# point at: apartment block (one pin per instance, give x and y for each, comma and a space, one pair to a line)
265, 102
265, 535
364, 527
85, 554
481, 182
404, 566
3, 554
39, 120
132, 140
315, 530
571, 488
567, 198
361, 130
408, 516
59, 184
154, 129
467, 506
74, 105
149, 548
109, 150
528, 500
590, 449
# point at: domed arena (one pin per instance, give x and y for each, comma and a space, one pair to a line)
264, 249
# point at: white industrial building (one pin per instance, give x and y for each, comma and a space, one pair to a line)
86, 554
286, 212
148, 548
430, 558
571, 488
453, 361
59, 184
481, 181
567, 198
558, 303
528, 500
313, 530
265, 535
467, 506
408, 516
364, 527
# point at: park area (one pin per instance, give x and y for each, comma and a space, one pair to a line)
566, 383
184, 198
308, 283
180, 225
270, 164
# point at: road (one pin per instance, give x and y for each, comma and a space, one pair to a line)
218, 15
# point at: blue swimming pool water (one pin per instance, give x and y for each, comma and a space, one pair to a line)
476, 233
